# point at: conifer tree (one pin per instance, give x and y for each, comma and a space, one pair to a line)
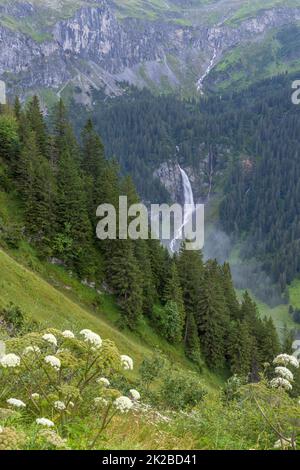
142, 254
232, 303
240, 348
124, 276
37, 124
190, 269
191, 340
94, 167
173, 292
212, 317
36, 185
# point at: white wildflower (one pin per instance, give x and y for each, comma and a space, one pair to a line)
283, 444
15, 402
285, 373
135, 395
50, 338
279, 382
92, 338
1, 429
123, 404
59, 405
127, 362
44, 422
53, 362
103, 381
71, 404
31, 349
285, 360
100, 401
68, 334
35, 396
10, 360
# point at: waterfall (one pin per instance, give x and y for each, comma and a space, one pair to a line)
189, 206
207, 72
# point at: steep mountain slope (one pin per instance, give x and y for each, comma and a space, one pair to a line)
165, 45
70, 306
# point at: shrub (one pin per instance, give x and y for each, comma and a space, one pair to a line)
180, 391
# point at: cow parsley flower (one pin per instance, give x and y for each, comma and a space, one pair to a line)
103, 381
1, 429
280, 382
53, 362
100, 401
284, 373
68, 334
50, 338
135, 395
123, 404
16, 403
31, 349
127, 362
35, 396
59, 405
44, 422
10, 360
285, 360
92, 338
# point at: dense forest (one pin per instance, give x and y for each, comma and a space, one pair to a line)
59, 183
253, 138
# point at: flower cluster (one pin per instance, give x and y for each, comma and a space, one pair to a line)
68, 334
284, 375
103, 381
10, 439
279, 382
53, 362
135, 394
50, 338
44, 422
127, 362
16, 403
100, 401
10, 360
123, 404
92, 338
59, 405
52, 438
285, 360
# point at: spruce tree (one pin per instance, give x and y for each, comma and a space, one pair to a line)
37, 124
190, 270
173, 293
240, 348
124, 276
212, 318
191, 340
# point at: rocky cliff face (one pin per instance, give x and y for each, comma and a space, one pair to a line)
94, 48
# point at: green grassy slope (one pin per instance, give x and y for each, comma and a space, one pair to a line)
278, 52
66, 303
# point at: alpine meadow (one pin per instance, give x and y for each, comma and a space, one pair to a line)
118, 117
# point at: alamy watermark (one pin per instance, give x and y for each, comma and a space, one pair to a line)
296, 94
161, 222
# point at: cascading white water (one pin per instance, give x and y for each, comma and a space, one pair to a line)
207, 72
189, 206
